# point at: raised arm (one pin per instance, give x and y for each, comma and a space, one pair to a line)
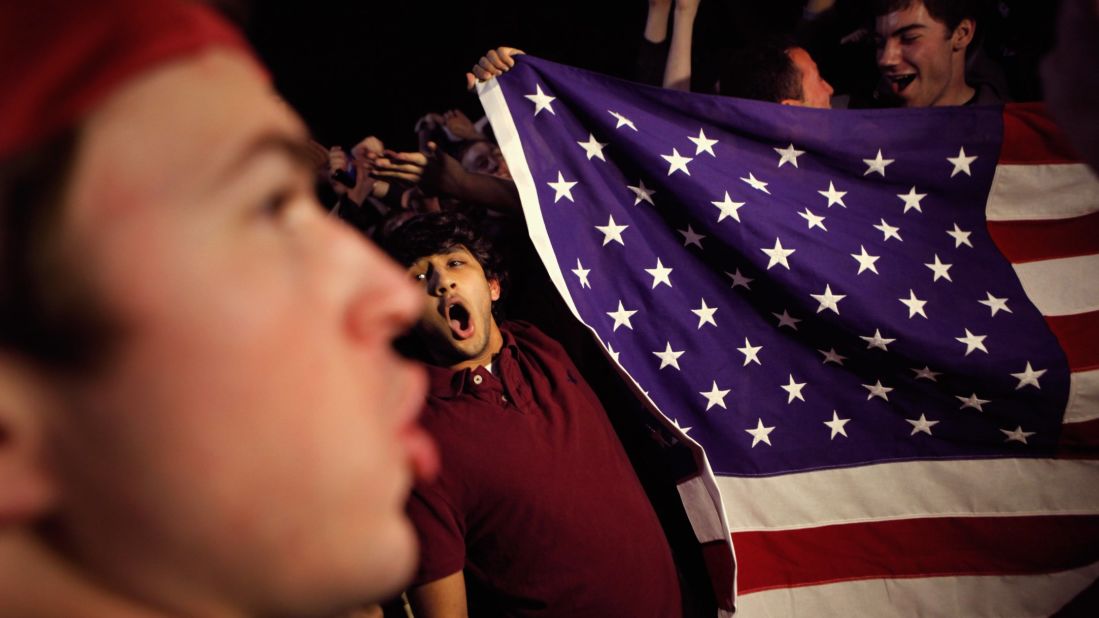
495, 62
677, 73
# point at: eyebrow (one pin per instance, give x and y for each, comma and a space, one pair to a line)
297, 149
906, 29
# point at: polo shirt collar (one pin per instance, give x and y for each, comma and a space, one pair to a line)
448, 384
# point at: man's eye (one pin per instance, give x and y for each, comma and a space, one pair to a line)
909, 39
419, 276
454, 263
276, 204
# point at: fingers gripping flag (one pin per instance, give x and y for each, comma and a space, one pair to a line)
880, 326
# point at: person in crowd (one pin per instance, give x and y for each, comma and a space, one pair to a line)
776, 72
1071, 88
922, 48
201, 412
537, 510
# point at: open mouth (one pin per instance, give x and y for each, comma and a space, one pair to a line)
459, 319
900, 82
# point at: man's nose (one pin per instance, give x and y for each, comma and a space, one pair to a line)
889, 54
439, 282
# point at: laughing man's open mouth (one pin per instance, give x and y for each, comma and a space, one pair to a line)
900, 82
459, 319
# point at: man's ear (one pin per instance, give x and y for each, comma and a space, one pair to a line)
963, 34
27, 488
494, 289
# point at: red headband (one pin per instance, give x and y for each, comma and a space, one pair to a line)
61, 58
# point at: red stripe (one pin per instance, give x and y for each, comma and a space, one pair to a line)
1031, 136
1079, 440
1078, 335
1049, 239
915, 548
719, 565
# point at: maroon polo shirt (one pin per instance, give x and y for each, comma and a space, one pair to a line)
537, 501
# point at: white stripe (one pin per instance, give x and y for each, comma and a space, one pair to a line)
1083, 397
1006, 595
1026, 192
1061, 287
912, 489
703, 508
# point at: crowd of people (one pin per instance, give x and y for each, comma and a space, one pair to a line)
203, 410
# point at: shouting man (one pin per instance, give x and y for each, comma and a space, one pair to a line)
538, 511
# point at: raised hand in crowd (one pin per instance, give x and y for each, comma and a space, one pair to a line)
495, 62
459, 127
677, 72
436, 173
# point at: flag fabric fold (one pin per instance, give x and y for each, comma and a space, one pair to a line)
880, 327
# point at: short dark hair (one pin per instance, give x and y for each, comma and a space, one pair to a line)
949, 12
48, 310
409, 238
762, 71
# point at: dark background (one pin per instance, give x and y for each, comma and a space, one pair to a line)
357, 68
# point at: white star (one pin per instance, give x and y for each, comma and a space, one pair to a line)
669, 356
973, 401
912, 200
739, 279
641, 193
942, 271
541, 101
877, 341
705, 314
690, 237
961, 162
866, 261
728, 208
995, 304
593, 148
610, 351
683, 429
660, 274
622, 120
921, 425
836, 425
789, 155
716, 397
877, 164
831, 356
778, 255
915, 305
877, 390
926, 374
960, 236
582, 274
677, 162
888, 231
563, 188
702, 144
1029, 376
814, 220
785, 319
972, 342
760, 433
750, 352
612, 231
756, 184
621, 317
834, 197
793, 390
828, 300
1018, 435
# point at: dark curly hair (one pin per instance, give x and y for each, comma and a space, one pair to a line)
409, 238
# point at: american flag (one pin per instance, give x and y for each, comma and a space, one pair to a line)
880, 327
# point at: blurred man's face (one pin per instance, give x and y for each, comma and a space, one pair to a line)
815, 91
921, 60
456, 322
253, 443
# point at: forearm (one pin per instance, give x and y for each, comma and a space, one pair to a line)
677, 73
656, 25
499, 194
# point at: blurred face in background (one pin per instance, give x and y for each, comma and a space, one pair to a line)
485, 158
923, 61
252, 443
